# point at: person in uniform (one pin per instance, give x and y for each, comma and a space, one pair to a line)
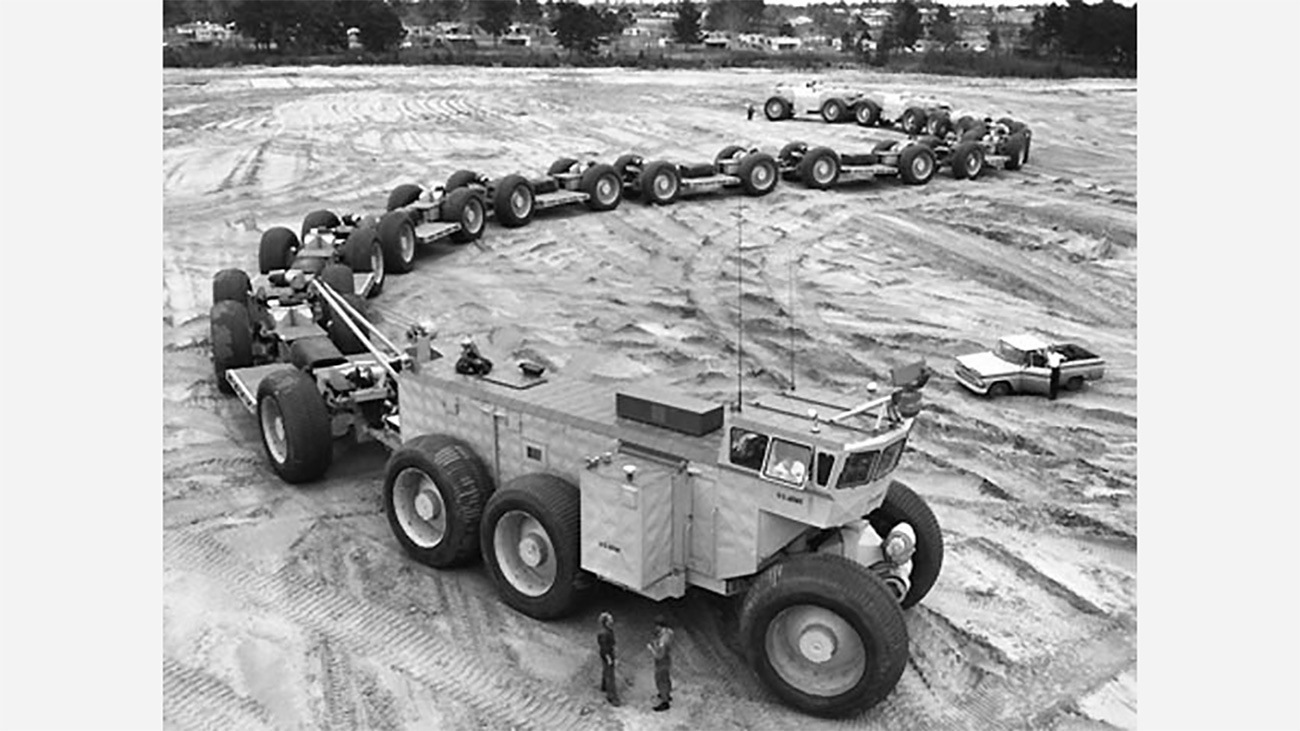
1054, 360
605, 641
661, 649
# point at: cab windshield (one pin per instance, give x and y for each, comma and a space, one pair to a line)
1010, 354
863, 467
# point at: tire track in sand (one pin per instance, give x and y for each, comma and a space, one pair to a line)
193, 699
384, 635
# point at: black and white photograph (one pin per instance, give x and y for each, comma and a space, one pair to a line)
634, 365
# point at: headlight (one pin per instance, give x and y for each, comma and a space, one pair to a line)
900, 544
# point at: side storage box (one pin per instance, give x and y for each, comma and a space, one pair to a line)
627, 525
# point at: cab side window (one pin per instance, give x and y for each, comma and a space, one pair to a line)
788, 462
825, 463
747, 448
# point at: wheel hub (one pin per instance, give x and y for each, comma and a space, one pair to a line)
532, 551
519, 201
823, 171
663, 184
427, 507
817, 643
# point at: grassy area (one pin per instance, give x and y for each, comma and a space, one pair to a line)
953, 63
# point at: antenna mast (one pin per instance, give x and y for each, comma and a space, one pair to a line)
740, 317
792, 377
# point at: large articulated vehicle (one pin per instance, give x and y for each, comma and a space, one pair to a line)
838, 103
659, 181
515, 198
557, 482
970, 150
418, 215
326, 239
823, 168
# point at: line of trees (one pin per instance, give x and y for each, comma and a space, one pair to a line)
319, 26
1104, 32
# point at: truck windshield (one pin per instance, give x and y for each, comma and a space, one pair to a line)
863, 467
1010, 354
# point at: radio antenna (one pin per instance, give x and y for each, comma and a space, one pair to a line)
792, 376
740, 301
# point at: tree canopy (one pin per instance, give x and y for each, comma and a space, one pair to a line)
686, 26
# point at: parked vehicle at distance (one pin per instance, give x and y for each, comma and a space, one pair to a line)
836, 103
1019, 365
660, 181
556, 482
515, 198
970, 150
823, 168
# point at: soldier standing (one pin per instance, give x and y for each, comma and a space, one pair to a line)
1054, 360
661, 649
605, 641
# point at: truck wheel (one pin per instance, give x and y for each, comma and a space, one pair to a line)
295, 425
277, 249
727, 153
758, 174
561, 165
403, 196
883, 146
792, 153
397, 240
1074, 384
820, 168
902, 505
967, 161
318, 219
434, 491
1014, 149
965, 122
529, 540
660, 183
939, 125
603, 186
1012, 125
866, 113
460, 179
914, 120
825, 634
974, 133
1001, 388
834, 110
344, 339
465, 206
776, 109
363, 253
231, 285
916, 164
231, 335
514, 201
339, 278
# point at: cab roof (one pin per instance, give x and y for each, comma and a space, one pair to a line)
1025, 341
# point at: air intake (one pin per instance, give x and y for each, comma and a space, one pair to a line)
681, 414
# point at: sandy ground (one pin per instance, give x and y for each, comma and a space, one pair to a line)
293, 607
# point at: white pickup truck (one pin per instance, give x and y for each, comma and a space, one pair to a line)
1019, 365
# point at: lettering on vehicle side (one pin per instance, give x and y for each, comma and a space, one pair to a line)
609, 547
787, 497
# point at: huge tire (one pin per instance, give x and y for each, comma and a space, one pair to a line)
465, 206
403, 196
834, 110
397, 241
792, 153
660, 182
939, 124
727, 153
623, 162
820, 168
363, 253
231, 336
529, 538
902, 505
913, 121
277, 248
1012, 125
231, 285
967, 161
561, 165
319, 219
916, 164
344, 339
1014, 149
825, 634
295, 425
339, 278
603, 186
435, 488
776, 109
514, 201
965, 122
460, 179
974, 133
866, 113
758, 173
